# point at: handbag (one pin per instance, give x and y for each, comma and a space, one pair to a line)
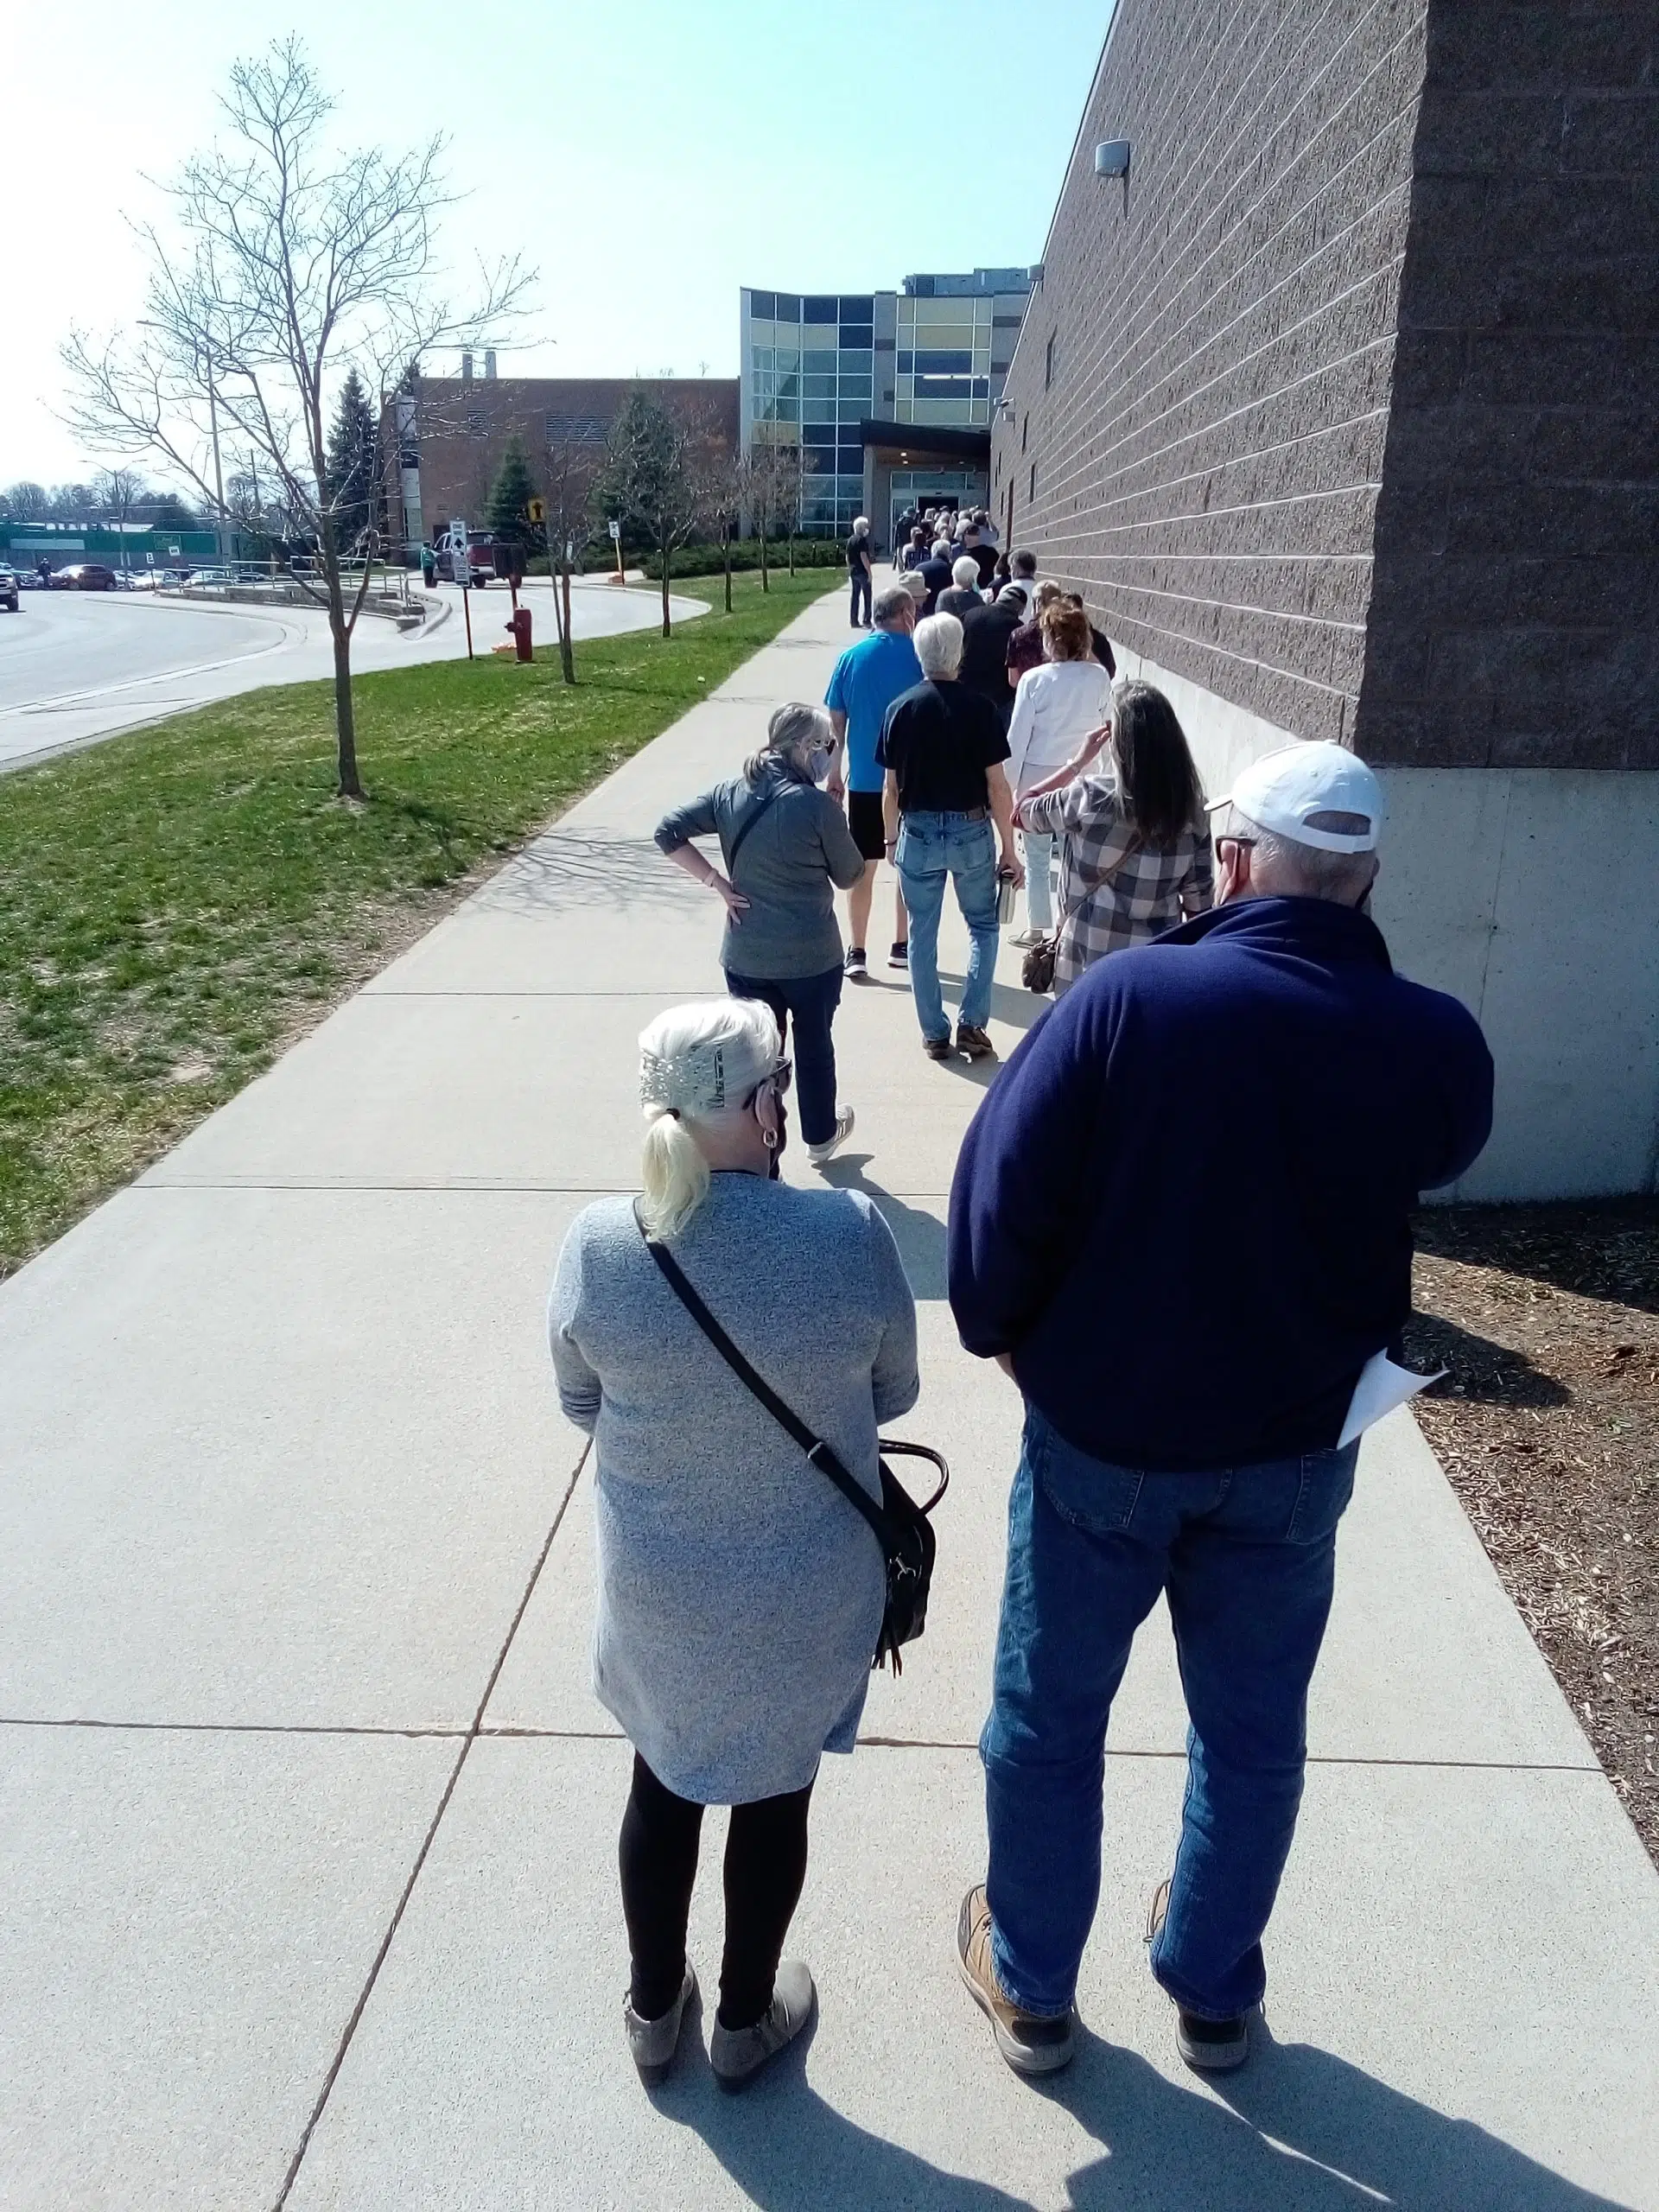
901, 1526
1037, 969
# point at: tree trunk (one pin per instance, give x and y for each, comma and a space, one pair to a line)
566, 651
668, 631
765, 581
345, 720
791, 549
725, 549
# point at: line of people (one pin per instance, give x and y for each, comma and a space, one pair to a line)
1178, 1222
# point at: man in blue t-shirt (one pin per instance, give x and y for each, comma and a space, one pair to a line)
868, 679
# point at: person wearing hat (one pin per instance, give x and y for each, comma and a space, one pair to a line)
741, 1597
1181, 1221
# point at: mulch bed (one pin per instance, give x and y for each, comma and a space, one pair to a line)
1547, 1425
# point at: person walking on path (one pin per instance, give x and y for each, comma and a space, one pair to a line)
1026, 645
741, 1597
985, 634
1135, 855
1181, 1221
935, 573
781, 943
861, 572
865, 682
1056, 706
942, 748
964, 593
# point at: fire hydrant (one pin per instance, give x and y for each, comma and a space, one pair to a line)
518, 623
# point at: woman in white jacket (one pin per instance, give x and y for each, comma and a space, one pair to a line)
1055, 708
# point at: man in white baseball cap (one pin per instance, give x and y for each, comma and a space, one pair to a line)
1182, 1221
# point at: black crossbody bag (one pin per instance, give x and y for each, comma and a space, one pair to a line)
902, 1528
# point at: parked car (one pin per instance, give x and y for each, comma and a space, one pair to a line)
8, 585
84, 576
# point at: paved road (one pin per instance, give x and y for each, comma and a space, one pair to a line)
77, 666
307, 1808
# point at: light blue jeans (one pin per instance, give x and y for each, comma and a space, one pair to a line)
1247, 1559
932, 849
1039, 898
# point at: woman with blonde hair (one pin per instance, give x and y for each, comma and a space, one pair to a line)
740, 1595
782, 943
1135, 855
1056, 705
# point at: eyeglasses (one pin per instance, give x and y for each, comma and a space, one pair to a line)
1243, 844
778, 1078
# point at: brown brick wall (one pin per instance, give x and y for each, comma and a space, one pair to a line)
1515, 620
465, 426
1208, 452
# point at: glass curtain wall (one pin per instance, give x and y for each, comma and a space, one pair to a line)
810, 371
944, 361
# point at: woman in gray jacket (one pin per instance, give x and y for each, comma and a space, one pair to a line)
787, 848
739, 1595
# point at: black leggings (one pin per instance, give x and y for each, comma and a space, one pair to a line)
766, 1867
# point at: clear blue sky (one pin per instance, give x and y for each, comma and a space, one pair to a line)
649, 157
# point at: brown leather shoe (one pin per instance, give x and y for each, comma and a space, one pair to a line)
973, 1042
1033, 2043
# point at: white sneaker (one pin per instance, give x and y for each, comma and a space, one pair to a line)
817, 1153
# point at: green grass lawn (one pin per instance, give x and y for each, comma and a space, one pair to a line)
177, 904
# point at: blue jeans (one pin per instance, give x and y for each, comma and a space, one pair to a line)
1247, 1557
932, 848
861, 584
812, 1000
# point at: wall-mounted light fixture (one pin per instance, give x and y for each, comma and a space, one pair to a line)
1005, 410
1112, 159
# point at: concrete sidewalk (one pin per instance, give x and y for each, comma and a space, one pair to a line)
309, 1813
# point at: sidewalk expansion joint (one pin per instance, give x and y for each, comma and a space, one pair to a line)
386, 1940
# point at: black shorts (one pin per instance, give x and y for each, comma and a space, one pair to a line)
867, 824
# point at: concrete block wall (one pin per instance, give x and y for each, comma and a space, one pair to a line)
1201, 387
1515, 614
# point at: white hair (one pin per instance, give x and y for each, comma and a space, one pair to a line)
738, 1040
1298, 871
939, 644
862, 522
965, 571
941, 547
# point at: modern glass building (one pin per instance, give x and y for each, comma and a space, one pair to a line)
850, 384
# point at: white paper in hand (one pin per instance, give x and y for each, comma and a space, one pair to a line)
1381, 1387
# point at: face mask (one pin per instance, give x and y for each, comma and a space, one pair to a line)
817, 763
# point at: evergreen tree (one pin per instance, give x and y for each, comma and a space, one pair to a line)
654, 480
507, 509
352, 483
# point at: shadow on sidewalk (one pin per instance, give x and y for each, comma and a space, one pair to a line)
920, 1236
1298, 2131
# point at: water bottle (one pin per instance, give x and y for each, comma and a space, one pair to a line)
1004, 895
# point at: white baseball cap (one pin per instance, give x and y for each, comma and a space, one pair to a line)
1283, 791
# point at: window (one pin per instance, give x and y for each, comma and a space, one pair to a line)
856, 361
861, 310
475, 422
574, 430
789, 307
1025, 429
1032, 494
818, 363
818, 310
858, 334
763, 305
1048, 362
958, 364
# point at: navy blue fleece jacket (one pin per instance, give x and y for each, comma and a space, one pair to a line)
1183, 1209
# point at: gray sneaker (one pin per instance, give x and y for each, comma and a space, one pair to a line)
1209, 2046
652, 2044
738, 2054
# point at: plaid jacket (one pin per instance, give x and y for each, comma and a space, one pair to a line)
1113, 890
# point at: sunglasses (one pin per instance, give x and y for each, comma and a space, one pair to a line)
778, 1078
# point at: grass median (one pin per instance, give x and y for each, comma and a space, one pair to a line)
178, 904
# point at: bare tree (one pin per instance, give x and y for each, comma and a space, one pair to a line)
658, 465
294, 263
117, 492
25, 502
571, 459
765, 479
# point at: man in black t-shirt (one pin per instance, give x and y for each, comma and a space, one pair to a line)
860, 570
985, 634
948, 806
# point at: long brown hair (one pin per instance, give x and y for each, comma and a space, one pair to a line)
1158, 785
1065, 631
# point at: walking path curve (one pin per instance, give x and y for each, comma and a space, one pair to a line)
308, 1861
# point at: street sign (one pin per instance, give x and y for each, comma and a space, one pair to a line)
616, 529
538, 511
